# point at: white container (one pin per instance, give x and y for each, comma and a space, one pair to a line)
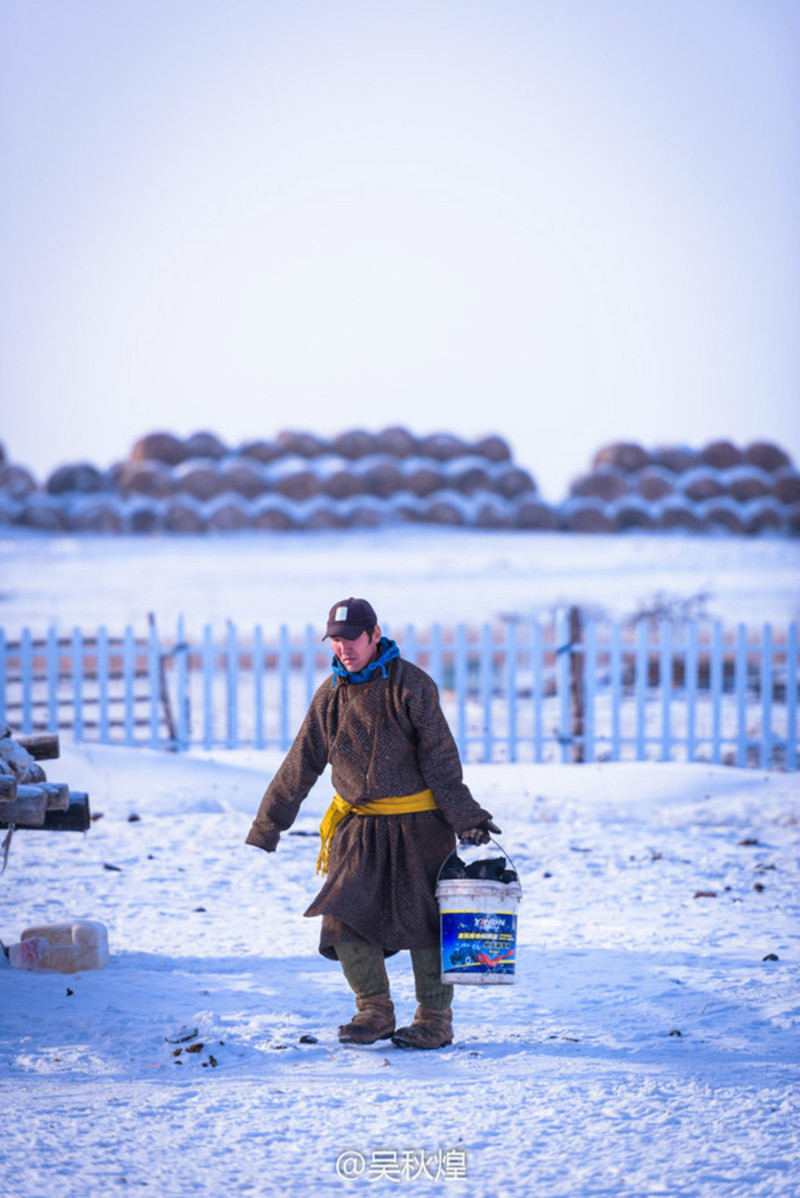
61, 947
478, 922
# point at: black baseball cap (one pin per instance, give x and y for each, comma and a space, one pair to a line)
349, 618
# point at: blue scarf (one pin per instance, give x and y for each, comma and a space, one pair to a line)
387, 651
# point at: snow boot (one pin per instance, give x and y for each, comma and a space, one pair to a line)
432, 1028
363, 967
374, 1021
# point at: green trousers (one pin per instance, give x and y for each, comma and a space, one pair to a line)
365, 971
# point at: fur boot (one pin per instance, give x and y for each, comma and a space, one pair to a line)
374, 1021
432, 1028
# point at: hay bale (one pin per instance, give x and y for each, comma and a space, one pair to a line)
143, 515
722, 514
319, 515
9, 509
44, 512
468, 474
786, 485
97, 513
363, 511
676, 513
606, 483
380, 475
422, 477
16, 482
535, 515
512, 481
702, 484
721, 455
631, 512
184, 514
654, 482
491, 447
447, 507
206, 446
764, 515
490, 511
151, 478
441, 447
744, 483
585, 514
261, 451
397, 442
200, 478
159, 447
793, 519
675, 458
81, 478
301, 445
354, 445
766, 456
342, 484
292, 478
626, 456
272, 513
242, 477
228, 513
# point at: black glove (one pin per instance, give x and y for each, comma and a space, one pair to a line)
479, 834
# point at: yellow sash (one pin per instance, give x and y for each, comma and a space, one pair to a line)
339, 808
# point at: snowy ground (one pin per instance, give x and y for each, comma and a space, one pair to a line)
649, 1046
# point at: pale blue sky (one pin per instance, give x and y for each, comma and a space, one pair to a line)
567, 222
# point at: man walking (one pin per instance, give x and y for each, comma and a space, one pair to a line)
400, 803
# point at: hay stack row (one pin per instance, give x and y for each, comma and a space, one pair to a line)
298, 481
365, 480
720, 488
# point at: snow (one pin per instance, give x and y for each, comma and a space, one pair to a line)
649, 1045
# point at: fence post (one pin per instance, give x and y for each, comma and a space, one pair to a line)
741, 695
233, 686
575, 653
182, 667
26, 672
258, 685
766, 697
129, 671
102, 684
52, 670
77, 685
791, 697
208, 687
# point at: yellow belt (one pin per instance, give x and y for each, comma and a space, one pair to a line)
339, 808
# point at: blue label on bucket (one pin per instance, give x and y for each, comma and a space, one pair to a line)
475, 942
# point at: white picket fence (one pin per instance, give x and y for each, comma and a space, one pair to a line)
563, 689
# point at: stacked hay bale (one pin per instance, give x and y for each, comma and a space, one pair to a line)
357, 479
718, 489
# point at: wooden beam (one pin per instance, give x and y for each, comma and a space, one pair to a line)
77, 817
42, 746
8, 787
26, 811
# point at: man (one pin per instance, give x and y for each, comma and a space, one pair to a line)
400, 803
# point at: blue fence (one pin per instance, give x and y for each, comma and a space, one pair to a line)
562, 689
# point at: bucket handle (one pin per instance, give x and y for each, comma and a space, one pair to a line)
502, 850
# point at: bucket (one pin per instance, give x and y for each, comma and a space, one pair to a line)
478, 922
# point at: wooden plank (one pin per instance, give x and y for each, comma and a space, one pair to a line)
57, 794
8, 787
42, 746
26, 811
76, 818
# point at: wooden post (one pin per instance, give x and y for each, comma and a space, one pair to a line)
576, 671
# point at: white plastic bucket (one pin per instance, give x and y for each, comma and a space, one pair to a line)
478, 922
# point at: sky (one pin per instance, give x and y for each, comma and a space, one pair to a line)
566, 223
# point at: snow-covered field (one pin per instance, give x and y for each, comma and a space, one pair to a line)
649, 1046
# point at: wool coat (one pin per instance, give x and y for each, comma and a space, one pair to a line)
383, 737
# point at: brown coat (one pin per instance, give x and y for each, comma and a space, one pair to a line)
384, 737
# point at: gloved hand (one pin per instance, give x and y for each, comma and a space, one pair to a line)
479, 834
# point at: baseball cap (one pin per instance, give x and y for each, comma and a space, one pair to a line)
349, 618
